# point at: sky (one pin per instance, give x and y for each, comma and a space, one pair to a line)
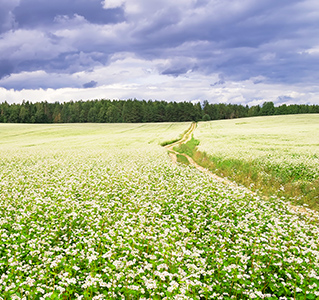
224, 51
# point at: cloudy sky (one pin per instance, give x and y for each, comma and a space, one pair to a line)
230, 51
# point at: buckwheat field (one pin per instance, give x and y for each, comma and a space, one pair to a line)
100, 212
277, 153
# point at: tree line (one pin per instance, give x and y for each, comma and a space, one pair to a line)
136, 111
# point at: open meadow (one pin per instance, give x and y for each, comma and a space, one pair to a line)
275, 154
98, 211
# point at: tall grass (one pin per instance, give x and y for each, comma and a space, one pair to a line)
188, 148
293, 183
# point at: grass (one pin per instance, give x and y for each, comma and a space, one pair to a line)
99, 212
169, 142
188, 148
182, 159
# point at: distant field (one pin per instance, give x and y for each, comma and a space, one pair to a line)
283, 150
102, 136
98, 211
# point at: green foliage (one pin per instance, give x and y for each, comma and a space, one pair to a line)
188, 148
206, 117
267, 109
182, 159
134, 111
169, 142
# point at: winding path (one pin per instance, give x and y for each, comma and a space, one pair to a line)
187, 137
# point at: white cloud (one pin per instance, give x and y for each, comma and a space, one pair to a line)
109, 4
130, 77
30, 44
146, 8
66, 21
313, 51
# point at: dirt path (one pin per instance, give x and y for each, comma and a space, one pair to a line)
187, 137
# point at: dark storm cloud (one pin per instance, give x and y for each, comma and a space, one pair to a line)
35, 13
6, 68
6, 16
240, 39
90, 84
231, 23
241, 42
69, 62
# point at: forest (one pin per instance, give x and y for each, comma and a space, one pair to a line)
138, 111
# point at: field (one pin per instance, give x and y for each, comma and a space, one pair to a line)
277, 155
91, 211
